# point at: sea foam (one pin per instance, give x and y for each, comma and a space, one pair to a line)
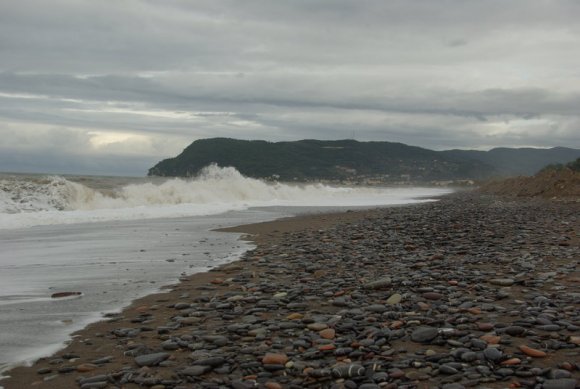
26, 202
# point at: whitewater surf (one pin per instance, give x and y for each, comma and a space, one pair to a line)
27, 201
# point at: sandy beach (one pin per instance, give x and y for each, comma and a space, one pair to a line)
469, 291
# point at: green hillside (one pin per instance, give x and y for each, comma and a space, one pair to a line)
315, 159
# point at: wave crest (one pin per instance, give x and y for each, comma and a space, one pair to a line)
215, 190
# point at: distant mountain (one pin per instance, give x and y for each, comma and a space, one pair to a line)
515, 162
350, 160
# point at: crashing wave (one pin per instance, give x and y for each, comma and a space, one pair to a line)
215, 190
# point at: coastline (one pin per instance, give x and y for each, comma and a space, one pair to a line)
254, 233
290, 298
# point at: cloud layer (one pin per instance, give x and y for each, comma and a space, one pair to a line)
89, 84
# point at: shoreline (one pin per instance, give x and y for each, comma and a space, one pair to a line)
252, 233
137, 260
290, 316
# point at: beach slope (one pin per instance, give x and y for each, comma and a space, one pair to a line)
470, 291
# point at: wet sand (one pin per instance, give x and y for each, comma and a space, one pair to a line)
471, 291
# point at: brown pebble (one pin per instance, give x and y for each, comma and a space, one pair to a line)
274, 359
319, 274
396, 373
272, 385
511, 362
532, 352
328, 333
423, 306
85, 367
396, 324
574, 340
485, 326
295, 316
567, 366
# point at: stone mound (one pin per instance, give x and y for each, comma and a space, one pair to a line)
549, 183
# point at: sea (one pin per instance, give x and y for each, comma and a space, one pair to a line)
115, 239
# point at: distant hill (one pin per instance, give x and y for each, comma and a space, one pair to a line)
315, 159
350, 160
514, 162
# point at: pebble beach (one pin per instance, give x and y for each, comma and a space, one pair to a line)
470, 291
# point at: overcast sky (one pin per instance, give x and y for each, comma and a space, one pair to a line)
111, 87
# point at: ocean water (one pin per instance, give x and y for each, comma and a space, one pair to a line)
116, 239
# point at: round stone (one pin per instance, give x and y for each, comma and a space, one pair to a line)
274, 359
394, 299
502, 281
424, 334
492, 354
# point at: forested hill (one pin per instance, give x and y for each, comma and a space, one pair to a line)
344, 160
315, 159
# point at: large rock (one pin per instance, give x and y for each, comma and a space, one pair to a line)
151, 359
424, 334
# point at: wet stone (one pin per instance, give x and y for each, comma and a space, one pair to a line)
194, 371
492, 354
379, 283
469, 356
103, 360
559, 373
424, 334
515, 330
216, 339
502, 281
447, 369
379, 308
151, 359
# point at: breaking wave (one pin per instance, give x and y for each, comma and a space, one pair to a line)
57, 200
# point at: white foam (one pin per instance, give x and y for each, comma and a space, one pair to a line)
56, 200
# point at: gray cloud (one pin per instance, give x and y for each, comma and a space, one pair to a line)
141, 79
